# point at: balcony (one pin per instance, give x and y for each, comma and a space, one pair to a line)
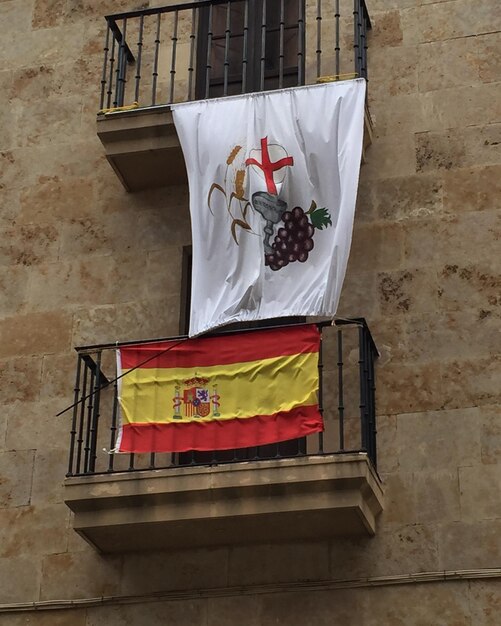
208, 49
318, 486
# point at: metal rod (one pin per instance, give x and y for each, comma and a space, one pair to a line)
281, 46
105, 69
337, 48
95, 416
340, 382
363, 388
110, 82
139, 58
227, 33
320, 392
122, 67
152, 461
131, 462
262, 64
300, 51
155, 63
81, 423
173, 60
113, 429
88, 426
208, 65
73, 430
319, 38
245, 45
191, 67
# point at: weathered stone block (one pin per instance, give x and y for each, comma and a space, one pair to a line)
146, 573
323, 608
408, 292
20, 578
407, 388
48, 332
32, 424
436, 151
490, 434
376, 246
451, 63
474, 286
185, 613
386, 29
29, 244
20, 379
489, 56
485, 602
472, 189
16, 470
409, 197
49, 469
222, 611
33, 530
79, 575
469, 545
259, 565
480, 487
391, 552
417, 605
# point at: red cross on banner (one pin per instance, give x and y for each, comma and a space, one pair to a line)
268, 166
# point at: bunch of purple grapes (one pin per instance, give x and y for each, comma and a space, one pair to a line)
293, 241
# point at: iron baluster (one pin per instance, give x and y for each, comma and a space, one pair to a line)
139, 58
262, 63
152, 461
95, 415
122, 67
363, 388
300, 51
319, 38
81, 422
245, 51
113, 429
105, 68
110, 82
131, 462
337, 48
86, 467
227, 33
321, 392
208, 65
155, 63
281, 46
73, 431
191, 67
174, 39
340, 380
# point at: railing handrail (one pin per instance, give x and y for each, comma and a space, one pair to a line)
91, 381
356, 321
195, 4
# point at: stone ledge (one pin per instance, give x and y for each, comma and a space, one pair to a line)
253, 502
143, 148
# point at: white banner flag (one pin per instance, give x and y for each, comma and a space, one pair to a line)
273, 180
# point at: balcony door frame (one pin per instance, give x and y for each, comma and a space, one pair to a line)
292, 76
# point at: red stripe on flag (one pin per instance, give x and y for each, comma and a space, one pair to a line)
222, 435
224, 349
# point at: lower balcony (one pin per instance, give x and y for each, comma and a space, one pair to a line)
318, 486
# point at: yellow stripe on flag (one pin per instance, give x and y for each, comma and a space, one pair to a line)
245, 389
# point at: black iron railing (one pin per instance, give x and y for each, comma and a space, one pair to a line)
213, 48
346, 400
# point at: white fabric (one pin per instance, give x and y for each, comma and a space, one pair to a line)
321, 128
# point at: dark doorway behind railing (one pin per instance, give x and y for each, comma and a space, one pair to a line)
213, 48
346, 399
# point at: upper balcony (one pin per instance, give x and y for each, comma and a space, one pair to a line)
316, 486
209, 49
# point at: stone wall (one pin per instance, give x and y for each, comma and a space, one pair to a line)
82, 261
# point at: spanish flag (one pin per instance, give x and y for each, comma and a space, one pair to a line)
218, 393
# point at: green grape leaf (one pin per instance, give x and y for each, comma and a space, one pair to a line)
320, 218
